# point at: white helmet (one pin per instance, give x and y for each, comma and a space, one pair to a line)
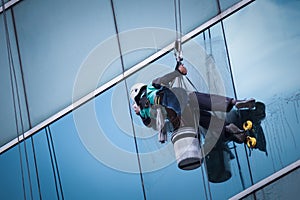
135, 89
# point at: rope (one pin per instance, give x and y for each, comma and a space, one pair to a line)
204, 166
19, 147
126, 86
181, 83
178, 27
54, 163
207, 188
235, 95
210, 44
14, 80
17, 131
26, 100
204, 169
204, 182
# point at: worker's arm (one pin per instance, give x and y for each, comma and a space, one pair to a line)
166, 79
146, 121
145, 118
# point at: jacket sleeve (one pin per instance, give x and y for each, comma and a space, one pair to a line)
166, 79
147, 121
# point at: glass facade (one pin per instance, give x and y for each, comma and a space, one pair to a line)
66, 68
285, 188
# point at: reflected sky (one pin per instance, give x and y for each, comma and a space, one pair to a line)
263, 41
264, 48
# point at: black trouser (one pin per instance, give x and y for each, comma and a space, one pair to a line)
200, 106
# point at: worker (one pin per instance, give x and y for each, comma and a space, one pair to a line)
175, 106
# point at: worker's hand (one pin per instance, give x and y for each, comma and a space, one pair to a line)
136, 108
182, 69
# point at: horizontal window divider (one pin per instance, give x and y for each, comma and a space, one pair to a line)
8, 4
267, 181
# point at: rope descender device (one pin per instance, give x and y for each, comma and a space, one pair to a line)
178, 50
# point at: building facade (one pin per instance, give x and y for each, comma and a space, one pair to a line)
67, 127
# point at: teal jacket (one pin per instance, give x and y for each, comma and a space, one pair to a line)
159, 93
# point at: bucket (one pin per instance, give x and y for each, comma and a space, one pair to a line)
187, 148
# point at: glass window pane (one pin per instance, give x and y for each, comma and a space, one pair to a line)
14, 118
55, 39
268, 54
19, 172
225, 4
156, 26
285, 188
11, 176
98, 153
48, 179
6, 101
103, 150
205, 60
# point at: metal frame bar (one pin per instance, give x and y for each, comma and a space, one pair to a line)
125, 75
267, 181
9, 4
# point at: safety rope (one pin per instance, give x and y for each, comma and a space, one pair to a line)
17, 131
17, 104
210, 43
205, 180
129, 107
56, 163
235, 95
206, 185
58, 185
52, 163
204, 171
181, 83
26, 100
178, 41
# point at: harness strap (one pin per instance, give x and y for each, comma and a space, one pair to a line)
157, 100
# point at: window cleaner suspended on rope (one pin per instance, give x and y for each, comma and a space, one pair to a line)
176, 110
177, 102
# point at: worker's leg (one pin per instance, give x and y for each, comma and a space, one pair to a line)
229, 132
212, 102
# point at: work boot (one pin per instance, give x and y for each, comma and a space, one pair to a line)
238, 138
235, 134
248, 103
